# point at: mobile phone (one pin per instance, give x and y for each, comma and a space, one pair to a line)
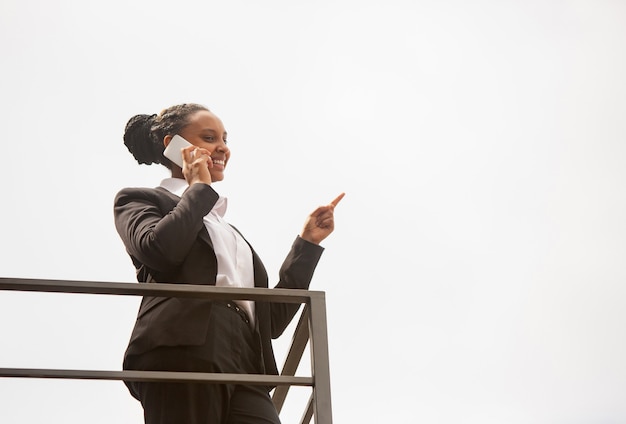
172, 151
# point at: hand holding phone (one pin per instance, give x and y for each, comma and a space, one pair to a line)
173, 150
197, 170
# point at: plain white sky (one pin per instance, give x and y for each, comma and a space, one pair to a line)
477, 272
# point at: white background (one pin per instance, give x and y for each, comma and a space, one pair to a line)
477, 272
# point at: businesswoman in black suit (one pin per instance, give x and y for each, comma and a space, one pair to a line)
176, 233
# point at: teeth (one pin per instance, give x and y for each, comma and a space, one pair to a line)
219, 162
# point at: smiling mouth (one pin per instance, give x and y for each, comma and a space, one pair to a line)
219, 162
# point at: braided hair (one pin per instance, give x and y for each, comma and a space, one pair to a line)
144, 134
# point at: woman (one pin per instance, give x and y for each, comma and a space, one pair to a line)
176, 233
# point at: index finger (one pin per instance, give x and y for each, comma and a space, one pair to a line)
337, 199
188, 153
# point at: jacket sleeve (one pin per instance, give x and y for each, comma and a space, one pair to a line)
296, 272
156, 237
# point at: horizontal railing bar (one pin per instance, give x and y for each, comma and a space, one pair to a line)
319, 405
159, 289
152, 376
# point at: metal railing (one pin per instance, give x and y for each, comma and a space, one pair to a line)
311, 329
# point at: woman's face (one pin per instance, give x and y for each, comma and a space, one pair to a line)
207, 131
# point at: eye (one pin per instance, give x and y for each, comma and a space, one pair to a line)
209, 138
225, 141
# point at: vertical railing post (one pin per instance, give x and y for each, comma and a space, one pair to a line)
320, 362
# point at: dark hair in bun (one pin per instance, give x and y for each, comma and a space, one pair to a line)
144, 134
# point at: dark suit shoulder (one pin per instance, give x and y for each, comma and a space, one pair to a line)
141, 193
195, 194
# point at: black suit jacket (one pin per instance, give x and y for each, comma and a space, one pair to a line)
167, 241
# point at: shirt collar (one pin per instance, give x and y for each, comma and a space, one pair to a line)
177, 187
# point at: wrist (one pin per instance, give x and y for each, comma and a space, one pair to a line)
310, 239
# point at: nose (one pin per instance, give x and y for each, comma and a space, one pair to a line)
222, 147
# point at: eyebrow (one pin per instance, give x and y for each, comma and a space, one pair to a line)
212, 131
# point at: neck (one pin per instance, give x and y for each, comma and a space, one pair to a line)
177, 172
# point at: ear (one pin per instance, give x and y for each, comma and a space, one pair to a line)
167, 139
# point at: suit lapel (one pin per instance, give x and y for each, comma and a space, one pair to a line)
260, 274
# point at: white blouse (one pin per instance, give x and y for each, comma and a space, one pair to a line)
234, 257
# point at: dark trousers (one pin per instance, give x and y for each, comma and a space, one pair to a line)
231, 347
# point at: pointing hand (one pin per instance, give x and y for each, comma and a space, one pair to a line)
321, 222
